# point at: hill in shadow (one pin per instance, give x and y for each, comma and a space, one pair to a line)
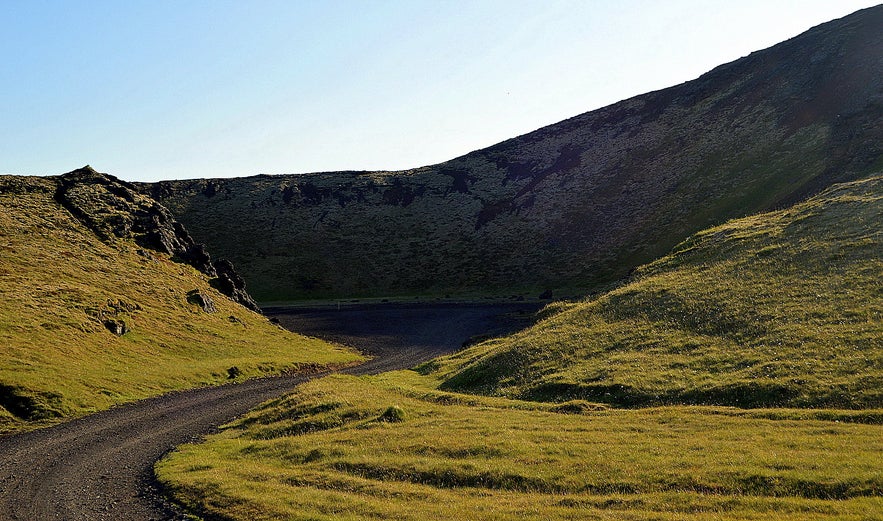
572, 205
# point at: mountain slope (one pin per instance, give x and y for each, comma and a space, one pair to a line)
94, 310
779, 309
570, 205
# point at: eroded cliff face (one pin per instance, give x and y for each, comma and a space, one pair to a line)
114, 209
571, 205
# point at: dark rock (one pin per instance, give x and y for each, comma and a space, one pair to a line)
461, 179
233, 372
225, 270
231, 284
146, 254
117, 327
546, 295
198, 257
114, 209
202, 300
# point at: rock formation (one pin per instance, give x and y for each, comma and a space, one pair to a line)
114, 209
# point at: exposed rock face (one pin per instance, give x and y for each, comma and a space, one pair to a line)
570, 205
117, 327
202, 300
231, 284
114, 209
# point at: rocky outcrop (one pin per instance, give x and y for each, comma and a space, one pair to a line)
202, 300
231, 284
113, 315
117, 327
114, 209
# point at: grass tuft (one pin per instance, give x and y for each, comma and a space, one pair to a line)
392, 414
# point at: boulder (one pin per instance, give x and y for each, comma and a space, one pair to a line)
202, 300
117, 327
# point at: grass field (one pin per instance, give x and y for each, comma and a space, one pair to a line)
59, 283
737, 378
333, 451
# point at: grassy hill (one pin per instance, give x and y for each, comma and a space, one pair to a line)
593, 410
91, 317
779, 309
571, 205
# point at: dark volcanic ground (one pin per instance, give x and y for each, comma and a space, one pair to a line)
101, 466
395, 333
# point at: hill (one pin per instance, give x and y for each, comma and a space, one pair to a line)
652, 401
104, 298
780, 309
572, 205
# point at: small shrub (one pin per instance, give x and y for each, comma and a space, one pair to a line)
392, 414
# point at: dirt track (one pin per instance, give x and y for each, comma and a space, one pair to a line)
101, 466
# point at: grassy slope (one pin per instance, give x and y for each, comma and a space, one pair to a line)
781, 308
777, 309
58, 360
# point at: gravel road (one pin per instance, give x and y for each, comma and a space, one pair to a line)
101, 466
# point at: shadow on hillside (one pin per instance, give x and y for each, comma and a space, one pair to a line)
396, 333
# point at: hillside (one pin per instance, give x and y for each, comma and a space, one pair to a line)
571, 205
652, 401
780, 309
104, 298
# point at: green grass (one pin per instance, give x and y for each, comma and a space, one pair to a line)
737, 378
326, 452
58, 283
779, 309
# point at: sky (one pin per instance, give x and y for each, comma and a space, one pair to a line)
154, 89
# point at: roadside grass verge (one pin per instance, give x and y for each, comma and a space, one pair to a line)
59, 285
326, 452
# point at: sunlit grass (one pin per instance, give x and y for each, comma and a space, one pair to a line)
326, 453
740, 377
780, 309
58, 282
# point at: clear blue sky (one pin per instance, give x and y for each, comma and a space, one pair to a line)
150, 90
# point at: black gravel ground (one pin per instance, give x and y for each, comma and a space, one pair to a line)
101, 466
